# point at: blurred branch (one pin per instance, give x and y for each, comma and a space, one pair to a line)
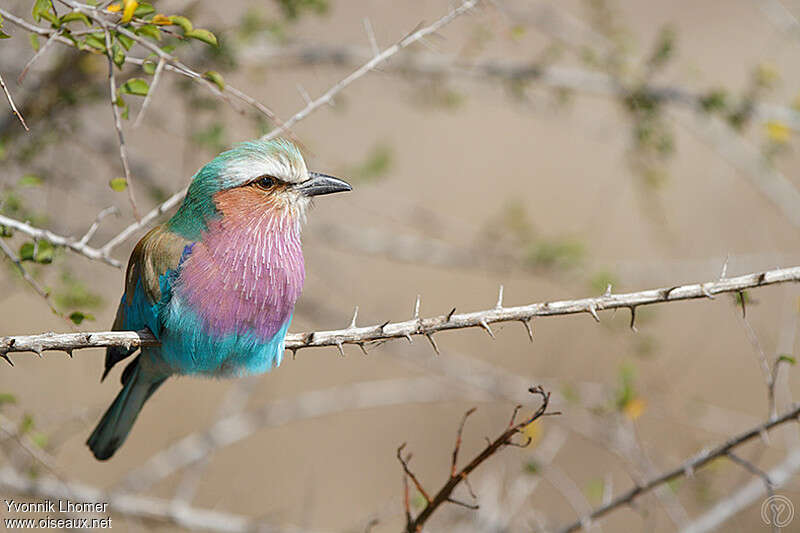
238, 426
430, 65
429, 326
133, 506
686, 469
11, 103
327, 96
445, 494
728, 507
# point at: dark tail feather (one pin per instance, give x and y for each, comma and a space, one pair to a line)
116, 423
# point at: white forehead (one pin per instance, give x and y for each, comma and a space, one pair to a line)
278, 158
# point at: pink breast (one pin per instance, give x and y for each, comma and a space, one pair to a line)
245, 275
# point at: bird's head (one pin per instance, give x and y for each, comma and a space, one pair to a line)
252, 178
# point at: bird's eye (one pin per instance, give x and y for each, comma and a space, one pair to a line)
265, 182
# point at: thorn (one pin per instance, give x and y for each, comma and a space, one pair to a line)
593, 311
416, 308
764, 437
5, 356
527, 323
68, 351
450, 314
383, 326
485, 326
410, 340
688, 471
363, 348
499, 299
304, 94
743, 303
725, 267
37, 349
433, 343
355, 316
341, 349
667, 292
706, 292
608, 290
294, 353
633, 318
371, 35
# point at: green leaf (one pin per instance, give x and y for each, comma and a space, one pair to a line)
118, 55
40, 7
77, 317
202, 35
34, 40
75, 15
6, 397
3, 35
96, 41
183, 22
118, 184
149, 67
144, 9
29, 180
135, 86
787, 358
149, 30
216, 78
26, 424
44, 254
125, 41
26, 251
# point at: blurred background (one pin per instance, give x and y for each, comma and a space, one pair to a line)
553, 148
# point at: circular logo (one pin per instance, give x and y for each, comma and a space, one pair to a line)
777, 511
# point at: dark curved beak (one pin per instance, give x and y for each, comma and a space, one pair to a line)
318, 184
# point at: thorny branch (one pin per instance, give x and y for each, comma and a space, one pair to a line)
429, 326
686, 469
445, 494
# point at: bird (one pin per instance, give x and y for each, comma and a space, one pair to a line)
217, 283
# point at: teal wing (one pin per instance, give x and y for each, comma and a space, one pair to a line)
147, 286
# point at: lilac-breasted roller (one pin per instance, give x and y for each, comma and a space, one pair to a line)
217, 283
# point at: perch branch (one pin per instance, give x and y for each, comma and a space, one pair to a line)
428, 326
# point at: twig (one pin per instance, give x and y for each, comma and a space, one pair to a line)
327, 96
689, 466
123, 149
149, 97
77, 246
429, 326
39, 53
29, 280
11, 103
444, 494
